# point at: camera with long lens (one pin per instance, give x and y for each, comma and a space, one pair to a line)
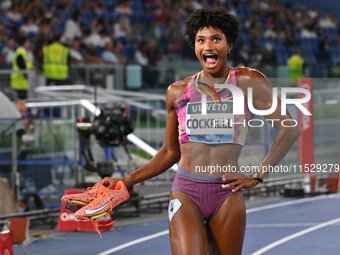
110, 128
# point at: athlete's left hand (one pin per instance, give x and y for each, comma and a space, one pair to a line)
239, 181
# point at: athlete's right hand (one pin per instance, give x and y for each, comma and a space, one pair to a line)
109, 182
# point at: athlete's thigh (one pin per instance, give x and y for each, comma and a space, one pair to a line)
188, 232
227, 226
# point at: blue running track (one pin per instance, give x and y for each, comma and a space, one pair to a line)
298, 226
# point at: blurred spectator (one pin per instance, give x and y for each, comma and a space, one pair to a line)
291, 39
338, 42
256, 54
72, 28
42, 39
251, 21
7, 53
90, 55
162, 13
150, 73
256, 58
269, 45
98, 7
75, 55
3, 17
270, 33
6, 4
198, 4
123, 8
3, 35
313, 12
36, 9
242, 57
122, 29
268, 58
308, 32
173, 37
96, 35
152, 52
112, 53
22, 61
29, 28
55, 28
141, 57
85, 6
296, 66
230, 9
323, 53
108, 55
51, 12
14, 14
56, 62
326, 21
75, 58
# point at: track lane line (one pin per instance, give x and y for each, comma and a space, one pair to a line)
295, 235
291, 202
139, 240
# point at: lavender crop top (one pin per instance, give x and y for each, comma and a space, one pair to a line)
217, 124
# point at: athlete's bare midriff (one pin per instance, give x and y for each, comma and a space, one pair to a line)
199, 156
195, 155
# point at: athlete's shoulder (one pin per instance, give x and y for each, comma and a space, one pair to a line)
176, 90
179, 86
247, 72
252, 78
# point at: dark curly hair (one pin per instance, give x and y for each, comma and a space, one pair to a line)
212, 17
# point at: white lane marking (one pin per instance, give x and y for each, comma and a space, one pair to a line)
292, 202
256, 209
140, 240
285, 225
295, 235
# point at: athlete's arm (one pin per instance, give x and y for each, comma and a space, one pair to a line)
168, 155
262, 100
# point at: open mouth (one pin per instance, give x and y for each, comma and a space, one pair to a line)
210, 60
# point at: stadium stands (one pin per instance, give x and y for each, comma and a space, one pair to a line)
264, 23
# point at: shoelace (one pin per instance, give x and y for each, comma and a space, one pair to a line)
95, 194
98, 198
96, 226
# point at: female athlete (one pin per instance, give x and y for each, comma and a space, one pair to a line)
206, 209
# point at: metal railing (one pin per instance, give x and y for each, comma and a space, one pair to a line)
149, 115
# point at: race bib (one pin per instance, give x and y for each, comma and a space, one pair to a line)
214, 124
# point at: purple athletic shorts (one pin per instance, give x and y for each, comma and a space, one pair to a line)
205, 191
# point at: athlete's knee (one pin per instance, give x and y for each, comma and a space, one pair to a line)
180, 246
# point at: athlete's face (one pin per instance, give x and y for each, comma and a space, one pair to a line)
211, 48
